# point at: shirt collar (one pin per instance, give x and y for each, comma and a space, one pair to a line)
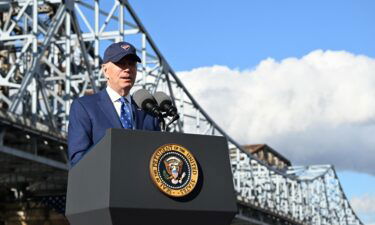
114, 96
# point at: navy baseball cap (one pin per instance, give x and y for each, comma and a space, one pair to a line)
116, 51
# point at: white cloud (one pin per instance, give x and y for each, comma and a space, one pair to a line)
316, 109
364, 204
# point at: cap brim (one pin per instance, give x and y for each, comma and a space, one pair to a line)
118, 57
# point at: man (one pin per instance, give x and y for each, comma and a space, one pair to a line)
90, 116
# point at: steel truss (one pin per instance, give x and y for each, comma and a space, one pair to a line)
50, 54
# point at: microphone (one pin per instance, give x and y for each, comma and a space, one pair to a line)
165, 104
145, 101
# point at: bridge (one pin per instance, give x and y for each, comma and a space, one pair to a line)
50, 54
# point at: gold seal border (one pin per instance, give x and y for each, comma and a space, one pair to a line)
154, 170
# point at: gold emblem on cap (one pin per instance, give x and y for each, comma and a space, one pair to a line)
126, 47
174, 170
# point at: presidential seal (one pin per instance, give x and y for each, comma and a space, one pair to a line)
174, 170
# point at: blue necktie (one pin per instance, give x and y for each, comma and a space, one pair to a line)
125, 118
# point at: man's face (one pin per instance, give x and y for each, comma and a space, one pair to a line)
121, 75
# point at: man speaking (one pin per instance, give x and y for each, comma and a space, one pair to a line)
90, 116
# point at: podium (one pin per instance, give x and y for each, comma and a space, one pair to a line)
113, 184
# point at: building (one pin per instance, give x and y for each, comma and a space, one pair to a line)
268, 155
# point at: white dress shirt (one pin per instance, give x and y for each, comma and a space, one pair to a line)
115, 99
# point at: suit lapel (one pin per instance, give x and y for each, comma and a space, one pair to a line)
106, 105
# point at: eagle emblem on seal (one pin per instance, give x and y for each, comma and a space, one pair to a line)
174, 168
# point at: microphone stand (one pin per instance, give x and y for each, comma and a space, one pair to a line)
174, 118
162, 123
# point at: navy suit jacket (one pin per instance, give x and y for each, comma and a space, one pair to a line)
89, 118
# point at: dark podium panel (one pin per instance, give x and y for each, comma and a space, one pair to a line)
112, 183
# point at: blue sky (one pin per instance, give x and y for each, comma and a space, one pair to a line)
240, 34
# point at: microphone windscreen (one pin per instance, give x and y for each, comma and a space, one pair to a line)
162, 99
142, 97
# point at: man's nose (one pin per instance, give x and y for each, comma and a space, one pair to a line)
126, 68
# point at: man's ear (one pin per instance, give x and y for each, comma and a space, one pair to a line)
104, 69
